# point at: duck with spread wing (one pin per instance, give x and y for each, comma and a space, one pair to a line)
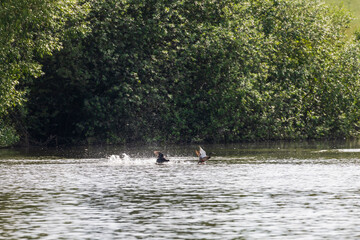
202, 155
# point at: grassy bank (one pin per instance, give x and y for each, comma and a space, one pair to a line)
354, 7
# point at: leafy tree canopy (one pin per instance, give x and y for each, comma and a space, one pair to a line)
200, 70
29, 30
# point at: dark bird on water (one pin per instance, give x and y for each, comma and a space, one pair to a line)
160, 157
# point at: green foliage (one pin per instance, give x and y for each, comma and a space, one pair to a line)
29, 30
201, 70
305, 91
8, 135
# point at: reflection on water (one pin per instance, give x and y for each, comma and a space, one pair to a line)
265, 191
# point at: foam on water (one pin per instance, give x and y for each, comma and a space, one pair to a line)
346, 150
352, 150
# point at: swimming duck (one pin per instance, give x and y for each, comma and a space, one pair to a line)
202, 155
160, 157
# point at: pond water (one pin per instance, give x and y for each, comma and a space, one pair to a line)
306, 190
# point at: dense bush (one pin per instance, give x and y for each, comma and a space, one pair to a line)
29, 30
8, 135
200, 70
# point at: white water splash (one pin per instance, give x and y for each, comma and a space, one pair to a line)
125, 159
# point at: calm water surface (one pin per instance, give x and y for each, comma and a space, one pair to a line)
248, 191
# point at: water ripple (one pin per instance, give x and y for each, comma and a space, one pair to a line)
123, 197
